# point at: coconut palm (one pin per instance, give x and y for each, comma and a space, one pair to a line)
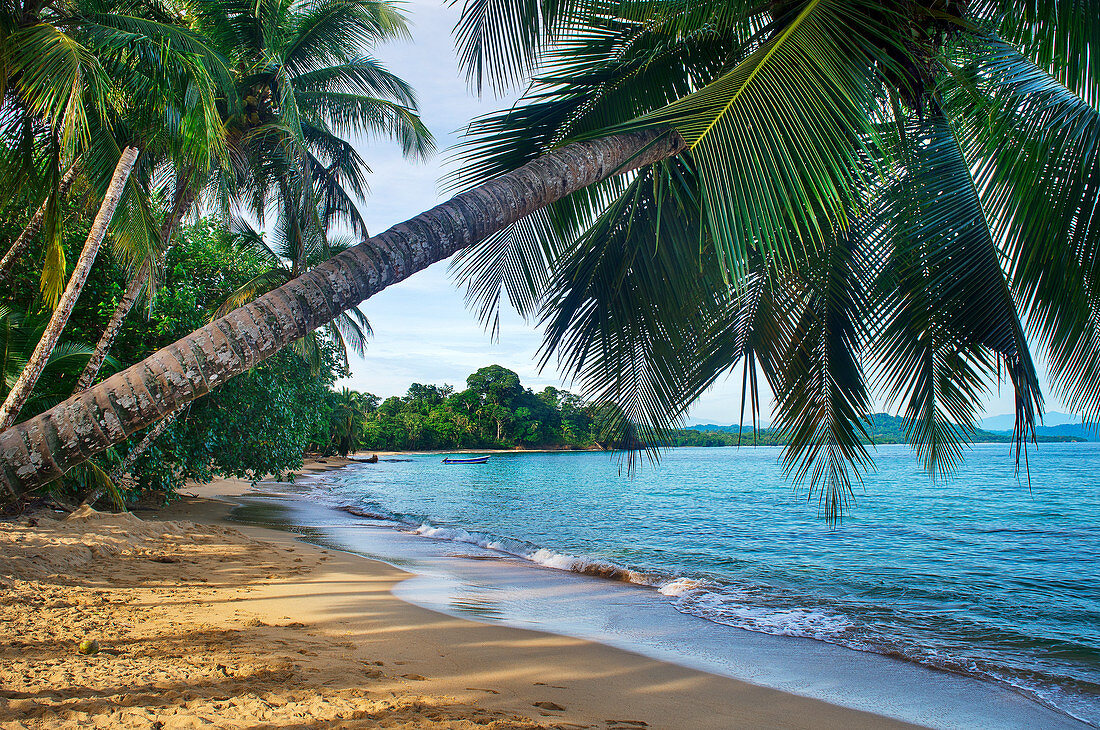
67, 71
35, 366
346, 422
295, 249
847, 196
301, 71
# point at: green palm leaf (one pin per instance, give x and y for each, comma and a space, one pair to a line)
780, 141
950, 317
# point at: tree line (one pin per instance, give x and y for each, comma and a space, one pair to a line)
493, 411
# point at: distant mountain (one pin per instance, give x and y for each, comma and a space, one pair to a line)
883, 429
1087, 431
1007, 421
1055, 425
1082, 431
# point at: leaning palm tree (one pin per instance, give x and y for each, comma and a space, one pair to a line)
296, 248
24, 386
844, 195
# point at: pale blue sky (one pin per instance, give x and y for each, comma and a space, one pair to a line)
423, 331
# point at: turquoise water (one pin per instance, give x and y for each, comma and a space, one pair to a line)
977, 576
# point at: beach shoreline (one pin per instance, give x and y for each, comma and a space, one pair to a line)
286, 633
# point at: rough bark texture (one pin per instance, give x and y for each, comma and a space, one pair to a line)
42, 448
133, 290
33, 227
29, 377
95, 362
150, 438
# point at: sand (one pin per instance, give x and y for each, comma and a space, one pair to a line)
203, 624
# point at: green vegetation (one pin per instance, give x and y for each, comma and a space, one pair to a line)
494, 411
255, 425
881, 428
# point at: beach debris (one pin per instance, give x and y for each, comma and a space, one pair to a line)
88, 647
482, 689
415, 677
547, 705
623, 724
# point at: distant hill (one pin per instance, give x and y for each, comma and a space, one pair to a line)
883, 429
1007, 421
1055, 424
715, 428
1081, 431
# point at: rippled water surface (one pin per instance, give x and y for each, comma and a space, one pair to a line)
978, 576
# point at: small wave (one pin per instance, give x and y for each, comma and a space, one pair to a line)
584, 566
723, 607
681, 587
369, 514
539, 556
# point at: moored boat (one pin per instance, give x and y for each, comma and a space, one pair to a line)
472, 460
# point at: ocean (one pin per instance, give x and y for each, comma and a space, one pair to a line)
983, 577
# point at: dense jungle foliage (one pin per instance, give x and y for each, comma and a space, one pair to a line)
255, 425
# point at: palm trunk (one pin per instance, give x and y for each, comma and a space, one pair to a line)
150, 438
33, 226
29, 377
133, 290
42, 448
110, 332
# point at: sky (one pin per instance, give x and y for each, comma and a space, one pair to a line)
423, 331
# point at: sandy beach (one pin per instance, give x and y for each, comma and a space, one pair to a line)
203, 624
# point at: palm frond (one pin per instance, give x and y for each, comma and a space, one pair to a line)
1035, 146
950, 319
781, 140
500, 42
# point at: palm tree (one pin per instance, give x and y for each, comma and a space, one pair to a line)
67, 71
23, 387
300, 70
346, 422
306, 84
297, 248
820, 189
